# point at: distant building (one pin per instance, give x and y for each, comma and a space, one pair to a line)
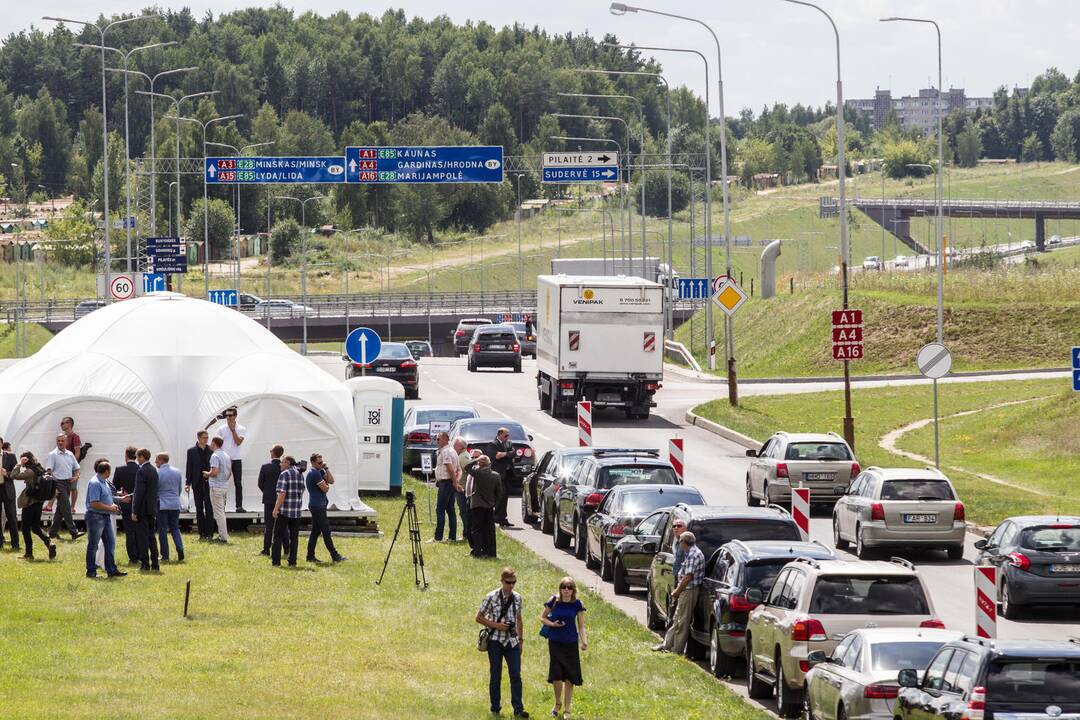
919, 111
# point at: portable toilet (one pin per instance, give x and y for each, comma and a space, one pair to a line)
379, 408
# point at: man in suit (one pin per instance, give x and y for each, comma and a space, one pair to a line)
124, 481
198, 462
501, 454
268, 477
144, 511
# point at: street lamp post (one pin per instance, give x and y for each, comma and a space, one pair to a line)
236, 189
603, 140
303, 257
517, 222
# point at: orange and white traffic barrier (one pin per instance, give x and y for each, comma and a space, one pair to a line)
584, 423
986, 601
675, 457
800, 510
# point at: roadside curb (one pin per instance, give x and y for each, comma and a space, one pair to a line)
750, 443
707, 378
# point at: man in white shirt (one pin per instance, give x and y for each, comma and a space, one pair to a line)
65, 471
218, 479
232, 438
446, 472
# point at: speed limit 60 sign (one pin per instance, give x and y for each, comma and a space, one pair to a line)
122, 287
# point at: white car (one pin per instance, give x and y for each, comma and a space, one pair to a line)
282, 309
901, 261
872, 262
1054, 240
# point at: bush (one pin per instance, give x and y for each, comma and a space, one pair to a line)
284, 240
900, 155
656, 192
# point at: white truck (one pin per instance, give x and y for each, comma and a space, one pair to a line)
601, 339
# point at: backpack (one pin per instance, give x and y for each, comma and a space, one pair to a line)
43, 489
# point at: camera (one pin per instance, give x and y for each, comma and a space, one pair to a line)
221, 415
410, 498
302, 465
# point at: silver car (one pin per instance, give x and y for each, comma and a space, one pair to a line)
822, 462
900, 506
858, 679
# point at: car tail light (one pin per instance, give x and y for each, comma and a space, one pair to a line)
517, 348
958, 512
651, 387
594, 499
808, 630
476, 347
419, 437
1061, 527
617, 529
459, 333
877, 511
566, 385
739, 603
408, 364
804, 666
976, 706
855, 470
880, 691
781, 470
1019, 560
935, 624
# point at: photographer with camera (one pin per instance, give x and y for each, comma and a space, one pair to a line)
39, 488
319, 479
500, 614
232, 436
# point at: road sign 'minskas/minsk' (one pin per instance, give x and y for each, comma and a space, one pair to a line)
256, 170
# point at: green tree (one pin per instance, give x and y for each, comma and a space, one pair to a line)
284, 240
968, 146
900, 155
1065, 140
756, 155
656, 192
1032, 149
498, 129
220, 226
73, 236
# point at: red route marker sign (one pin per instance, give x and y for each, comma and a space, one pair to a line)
846, 317
845, 334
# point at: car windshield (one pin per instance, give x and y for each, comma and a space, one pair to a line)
635, 475
895, 656
891, 595
1053, 537
715, 532
485, 432
643, 503
916, 490
394, 352
1036, 681
817, 451
426, 417
496, 336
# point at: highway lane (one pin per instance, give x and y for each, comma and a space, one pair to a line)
715, 466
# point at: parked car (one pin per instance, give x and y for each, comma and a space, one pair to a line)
422, 423
526, 336
822, 462
900, 506
1038, 561
872, 262
999, 679
901, 261
622, 508
579, 497
479, 433
539, 489
419, 348
281, 309
858, 678
394, 362
88, 306
812, 605
1054, 240
494, 346
713, 526
719, 622
464, 331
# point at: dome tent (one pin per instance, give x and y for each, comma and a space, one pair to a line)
152, 371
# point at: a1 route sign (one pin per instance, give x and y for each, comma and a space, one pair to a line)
847, 334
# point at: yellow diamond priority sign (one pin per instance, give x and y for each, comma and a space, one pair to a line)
729, 296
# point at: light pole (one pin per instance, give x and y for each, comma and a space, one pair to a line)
517, 222
169, 193
303, 256
236, 189
733, 391
841, 171
618, 147
102, 31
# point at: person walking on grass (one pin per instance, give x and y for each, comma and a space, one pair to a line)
65, 472
290, 496
195, 473
318, 481
100, 528
564, 618
218, 478
500, 613
445, 478
688, 582
169, 484
144, 510
39, 488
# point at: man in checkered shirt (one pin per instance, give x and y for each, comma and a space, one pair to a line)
290, 496
500, 612
688, 582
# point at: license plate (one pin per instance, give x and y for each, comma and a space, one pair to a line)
608, 397
385, 369
496, 347
819, 476
909, 518
1065, 568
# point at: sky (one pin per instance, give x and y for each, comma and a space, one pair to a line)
773, 51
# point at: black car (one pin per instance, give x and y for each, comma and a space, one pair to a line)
422, 424
621, 510
554, 468
713, 526
1038, 561
464, 331
419, 348
526, 333
980, 678
719, 621
478, 434
394, 362
88, 306
494, 346
579, 497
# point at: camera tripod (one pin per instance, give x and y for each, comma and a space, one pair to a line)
414, 540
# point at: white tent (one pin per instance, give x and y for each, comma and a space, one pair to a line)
152, 371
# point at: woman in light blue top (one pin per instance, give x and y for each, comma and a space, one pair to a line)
169, 484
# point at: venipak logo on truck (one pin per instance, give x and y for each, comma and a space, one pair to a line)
588, 297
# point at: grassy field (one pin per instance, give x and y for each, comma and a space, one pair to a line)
1020, 436
36, 336
317, 641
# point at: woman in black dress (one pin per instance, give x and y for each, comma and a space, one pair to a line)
564, 620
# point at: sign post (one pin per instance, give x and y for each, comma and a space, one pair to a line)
122, 287
800, 510
729, 297
580, 167
363, 346
424, 164
935, 362
1076, 368
675, 457
695, 288
584, 423
272, 170
847, 335
986, 601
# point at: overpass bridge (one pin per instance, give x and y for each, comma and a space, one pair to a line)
895, 215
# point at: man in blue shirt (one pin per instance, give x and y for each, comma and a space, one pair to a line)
169, 484
319, 480
290, 498
99, 523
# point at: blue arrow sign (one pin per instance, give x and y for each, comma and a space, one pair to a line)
153, 282
1076, 380
268, 170
694, 288
580, 174
425, 164
223, 297
1076, 358
363, 345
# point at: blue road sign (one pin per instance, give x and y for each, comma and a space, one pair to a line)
694, 288
171, 266
1076, 380
363, 345
153, 282
223, 297
580, 174
425, 164
1076, 358
266, 170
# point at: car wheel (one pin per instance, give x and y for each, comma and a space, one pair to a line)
788, 701
751, 501
1009, 609
545, 522
580, 548
517, 368
955, 552
841, 714
472, 366
561, 539
807, 708
756, 688
720, 663
861, 551
652, 618
618, 577
526, 516
838, 542
605, 563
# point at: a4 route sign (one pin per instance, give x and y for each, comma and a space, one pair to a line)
847, 335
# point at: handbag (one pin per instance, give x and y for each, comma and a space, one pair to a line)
545, 630
485, 634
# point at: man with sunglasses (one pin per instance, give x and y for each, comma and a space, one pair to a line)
500, 612
232, 440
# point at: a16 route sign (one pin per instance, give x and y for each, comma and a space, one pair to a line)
847, 335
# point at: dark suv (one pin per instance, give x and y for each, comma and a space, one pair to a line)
463, 333
551, 471
719, 621
980, 678
495, 346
